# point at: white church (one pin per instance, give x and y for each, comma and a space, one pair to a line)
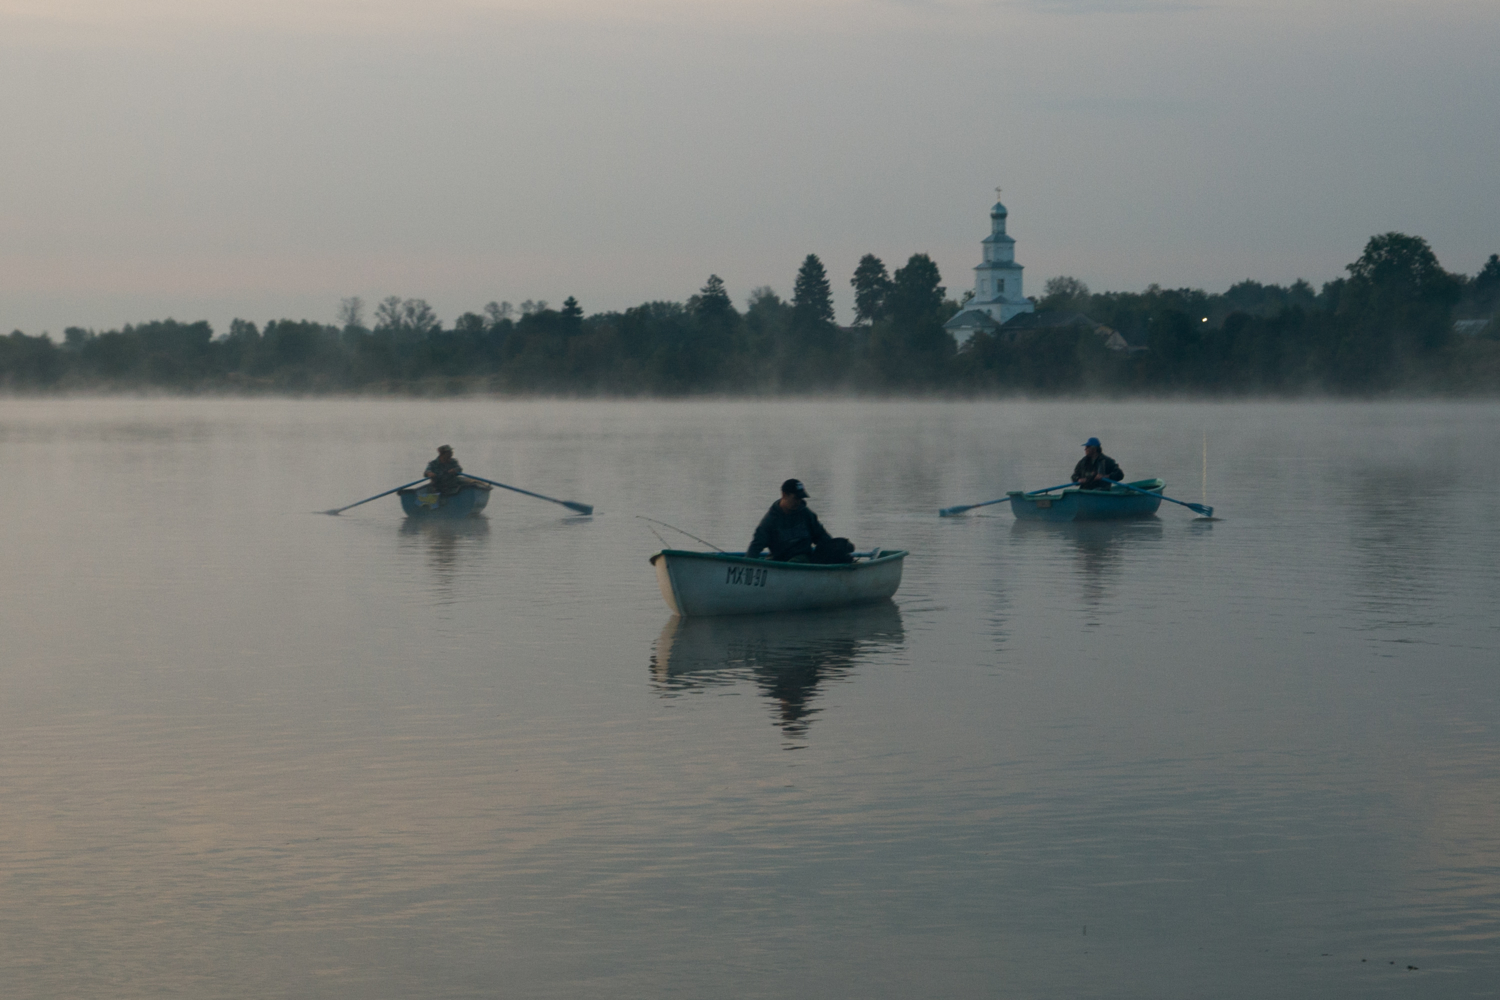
997, 284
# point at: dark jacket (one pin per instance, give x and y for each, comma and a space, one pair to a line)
1102, 466
444, 475
787, 533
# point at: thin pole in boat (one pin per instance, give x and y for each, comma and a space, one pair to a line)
1204, 497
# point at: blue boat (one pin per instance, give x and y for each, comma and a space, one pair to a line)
1073, 504
424, 501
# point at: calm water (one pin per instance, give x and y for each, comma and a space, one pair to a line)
246, 750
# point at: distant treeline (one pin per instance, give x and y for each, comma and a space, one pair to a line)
1387, 327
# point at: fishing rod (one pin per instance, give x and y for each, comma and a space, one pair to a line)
664, 524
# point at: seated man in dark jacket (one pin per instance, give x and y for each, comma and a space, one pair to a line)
444, 471
793, 533
1095, 469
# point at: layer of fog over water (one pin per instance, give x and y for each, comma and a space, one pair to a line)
248, 750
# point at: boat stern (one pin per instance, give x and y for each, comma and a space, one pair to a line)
425, 502
1041, 508
664, 581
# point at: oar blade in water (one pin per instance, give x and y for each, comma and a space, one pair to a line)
339, 510
953, 511
581, 508
1196, 508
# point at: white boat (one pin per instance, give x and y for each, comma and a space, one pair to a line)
727, 583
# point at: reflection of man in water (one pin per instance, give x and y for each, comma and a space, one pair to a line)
793, 533
1095, 469
444, 471
793, 685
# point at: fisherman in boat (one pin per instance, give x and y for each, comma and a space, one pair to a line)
792, 532
445, 473
1095, 469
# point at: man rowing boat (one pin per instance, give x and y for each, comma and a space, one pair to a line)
793, 532
1095, 469
445, 472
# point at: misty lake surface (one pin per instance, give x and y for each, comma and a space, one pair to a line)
247, 750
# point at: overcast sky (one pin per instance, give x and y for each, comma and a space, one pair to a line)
201, 159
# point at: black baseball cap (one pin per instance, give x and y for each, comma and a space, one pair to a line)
795, 488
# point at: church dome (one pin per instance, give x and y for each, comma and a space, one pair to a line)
998, 211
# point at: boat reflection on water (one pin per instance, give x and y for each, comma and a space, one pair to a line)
443, 539
787, 657
1099, 547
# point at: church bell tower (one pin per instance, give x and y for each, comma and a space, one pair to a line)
997, 277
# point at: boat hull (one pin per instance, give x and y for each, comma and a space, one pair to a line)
423, 502
1088, 505
714, 583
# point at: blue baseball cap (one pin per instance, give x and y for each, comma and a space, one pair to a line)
1092, 443
795, 488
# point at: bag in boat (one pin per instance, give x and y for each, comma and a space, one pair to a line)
834, 551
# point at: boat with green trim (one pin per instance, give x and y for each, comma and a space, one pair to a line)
1074, 504
424, 501
727, 583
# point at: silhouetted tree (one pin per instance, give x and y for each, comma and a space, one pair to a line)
1396, 306
812, 297
29, 362
768, 329
1064, 294
910, 347
712, 303
405, 319
1481, 296
352, 312
871, 286
915, 295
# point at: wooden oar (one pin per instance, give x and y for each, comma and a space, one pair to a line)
1196, 508
951, 511
581, 508
375, 497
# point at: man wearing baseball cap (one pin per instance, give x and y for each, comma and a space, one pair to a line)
1095, 469
444, 471
793, 533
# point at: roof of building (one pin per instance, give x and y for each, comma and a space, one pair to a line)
999, 209
1052, 319
972, 317
1049, 318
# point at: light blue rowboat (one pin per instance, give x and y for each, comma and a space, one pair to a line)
424, 501
1073, 504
